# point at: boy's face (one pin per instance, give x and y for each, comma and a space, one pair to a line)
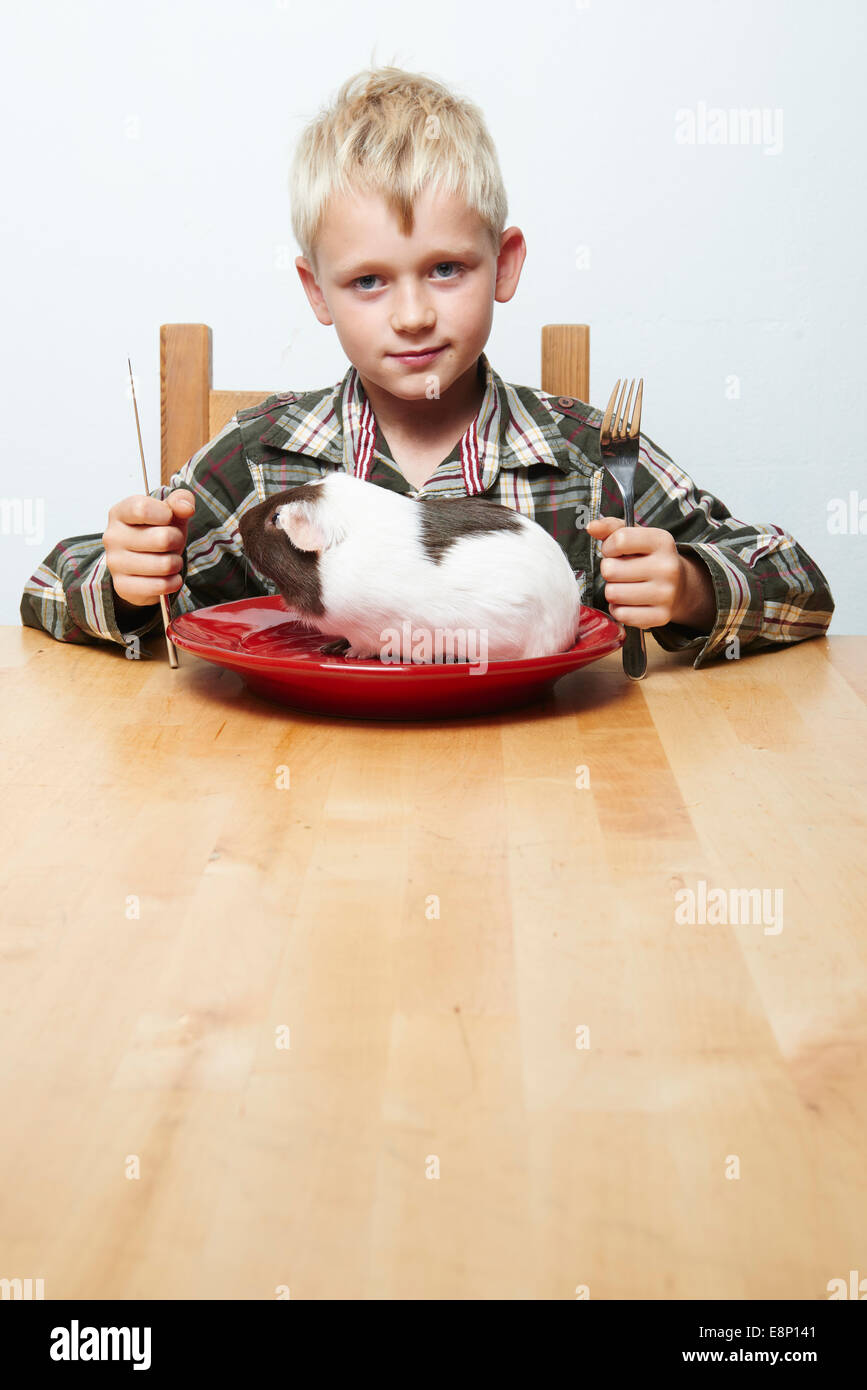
387, 293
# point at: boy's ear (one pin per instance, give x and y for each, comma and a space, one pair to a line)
310, 281
309, 526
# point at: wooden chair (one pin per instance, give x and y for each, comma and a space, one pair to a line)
192, 412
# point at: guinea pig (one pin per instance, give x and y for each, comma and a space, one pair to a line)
356, 561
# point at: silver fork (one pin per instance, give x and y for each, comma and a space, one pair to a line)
619, 441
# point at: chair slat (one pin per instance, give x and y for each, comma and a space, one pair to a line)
185, 382
223, 405
566, 360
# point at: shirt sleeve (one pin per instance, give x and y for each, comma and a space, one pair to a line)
71, 596
769, 592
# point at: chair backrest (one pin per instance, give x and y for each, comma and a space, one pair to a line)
192, 412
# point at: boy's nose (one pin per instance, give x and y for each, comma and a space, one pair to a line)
411, 312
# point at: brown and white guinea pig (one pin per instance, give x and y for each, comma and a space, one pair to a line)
352, 559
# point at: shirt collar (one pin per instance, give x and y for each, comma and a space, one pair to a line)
514, 428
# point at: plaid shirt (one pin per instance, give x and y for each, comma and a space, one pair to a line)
526, 449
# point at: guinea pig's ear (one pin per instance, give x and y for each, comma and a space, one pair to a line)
309, 525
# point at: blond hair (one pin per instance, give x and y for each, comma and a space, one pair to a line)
394, 132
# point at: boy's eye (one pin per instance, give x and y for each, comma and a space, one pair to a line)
439, 266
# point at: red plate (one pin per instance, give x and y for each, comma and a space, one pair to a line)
280, 658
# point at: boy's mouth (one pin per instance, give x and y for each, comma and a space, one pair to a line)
419, 359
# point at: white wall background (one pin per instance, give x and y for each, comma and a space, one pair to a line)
146, 150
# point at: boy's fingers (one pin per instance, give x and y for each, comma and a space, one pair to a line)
602, 526
149, 562
182, 502
142, 510
183, 505
143, 539
145, 589
635, 540
143, 524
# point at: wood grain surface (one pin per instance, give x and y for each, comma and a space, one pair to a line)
370, 1010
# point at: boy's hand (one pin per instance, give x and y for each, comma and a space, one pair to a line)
144, 542
649, 583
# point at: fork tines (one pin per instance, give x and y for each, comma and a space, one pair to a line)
616, 414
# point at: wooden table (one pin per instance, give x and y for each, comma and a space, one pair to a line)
435, 918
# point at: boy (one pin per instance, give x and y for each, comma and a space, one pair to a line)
397, 183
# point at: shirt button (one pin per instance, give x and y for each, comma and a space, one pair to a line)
565, 400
